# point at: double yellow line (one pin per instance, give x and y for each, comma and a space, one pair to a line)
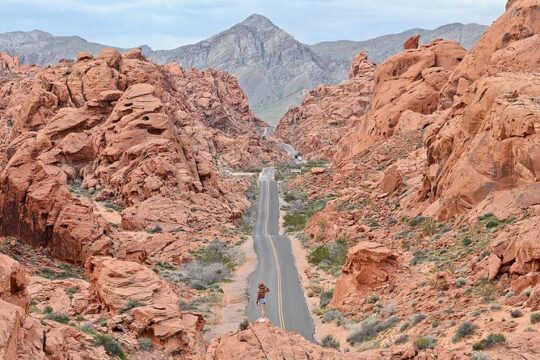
276, 259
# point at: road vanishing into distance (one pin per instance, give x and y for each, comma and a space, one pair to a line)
286, 306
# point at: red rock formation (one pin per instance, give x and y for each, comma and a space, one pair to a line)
412, 42
329, 112
369, 265
492, 130
410, 80
264, 341
157, 316
132, 134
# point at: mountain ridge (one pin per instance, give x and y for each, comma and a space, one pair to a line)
274, 69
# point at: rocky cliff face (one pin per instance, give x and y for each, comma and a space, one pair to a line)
328, 112
435, 192
126, 132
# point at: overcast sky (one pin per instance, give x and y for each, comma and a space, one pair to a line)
166, 24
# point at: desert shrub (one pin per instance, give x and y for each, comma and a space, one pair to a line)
154, 230
294, 221
402, 339
466, 241
486, 291
389, 309
110, 344
516, 313
64, 271
131, 304
113, 206
373, 298
417, 318
200, 276
330, 342
405, 326
58, 317
370, 327
460, 282
217, 252
495, 306
48, 310
364, 332
244, 324
479, 355
145, 344
333, 316
78, 190
319, 254
535, 318
325, 298
329, 256
465, 330
70, 291
490, 341
425, 342
248, 217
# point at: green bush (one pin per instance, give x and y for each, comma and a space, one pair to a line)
490, 341
465, 330
131, 304
58, 317
372, 299
154, 230
479, 355
244, 324
416, 318
402, 339
217, 252
329, 342
64, 271
319, 254
425, 342
325, 298
516, 313
145, 344
333, 316
110, 344
535, 318
294, 221
370, 328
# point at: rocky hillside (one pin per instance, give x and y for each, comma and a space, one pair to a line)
273, 68
115, 165
326, 113
435, 195
384, 46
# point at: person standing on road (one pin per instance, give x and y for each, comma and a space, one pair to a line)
261, 300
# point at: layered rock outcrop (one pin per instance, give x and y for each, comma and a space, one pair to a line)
329, 112
125, 132
264, 341
157, 316
407, 82
491, 125
369, 266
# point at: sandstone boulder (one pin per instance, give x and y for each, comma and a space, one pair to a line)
13, 282
117, 283
412, 42
368, 266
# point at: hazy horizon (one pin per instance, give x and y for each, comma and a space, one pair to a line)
167, 24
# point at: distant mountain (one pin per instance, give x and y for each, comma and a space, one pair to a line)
382, 47
273, 68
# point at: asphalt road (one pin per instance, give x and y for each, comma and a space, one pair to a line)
286, 306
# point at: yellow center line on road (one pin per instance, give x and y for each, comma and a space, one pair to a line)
276, 259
